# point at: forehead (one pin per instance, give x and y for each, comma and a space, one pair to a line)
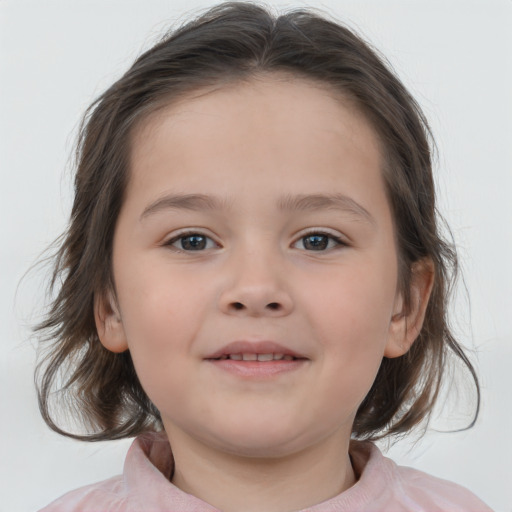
277, 127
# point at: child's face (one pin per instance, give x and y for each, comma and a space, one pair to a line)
256, 213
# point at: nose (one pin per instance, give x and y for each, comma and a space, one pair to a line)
256, 287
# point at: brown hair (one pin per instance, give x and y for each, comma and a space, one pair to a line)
232, 42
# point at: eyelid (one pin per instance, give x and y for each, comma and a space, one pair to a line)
181, 233
323, 231
340, 239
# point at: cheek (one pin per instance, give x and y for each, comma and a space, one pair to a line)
355, 299
351, 316
156, 302
159, 316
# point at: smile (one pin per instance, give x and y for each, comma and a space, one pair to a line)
257, 357
255, 350
257, 360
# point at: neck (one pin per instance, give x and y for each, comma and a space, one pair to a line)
233, 483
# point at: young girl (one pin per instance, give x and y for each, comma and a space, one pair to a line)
253, 282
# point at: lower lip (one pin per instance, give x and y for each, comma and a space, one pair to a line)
258, 369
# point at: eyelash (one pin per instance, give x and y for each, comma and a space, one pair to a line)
187, 234
339, 242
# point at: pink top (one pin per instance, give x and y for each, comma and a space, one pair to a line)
382, 486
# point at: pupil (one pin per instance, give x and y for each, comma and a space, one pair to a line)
193, 242
316, 242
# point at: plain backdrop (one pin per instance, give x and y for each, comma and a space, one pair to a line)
56, 56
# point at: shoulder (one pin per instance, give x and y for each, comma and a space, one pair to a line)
120, 492
436, 492
144, 485
105, 495
409, 488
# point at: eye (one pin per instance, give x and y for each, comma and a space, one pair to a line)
318, 242
191, 242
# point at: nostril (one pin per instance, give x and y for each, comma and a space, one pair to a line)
256, 308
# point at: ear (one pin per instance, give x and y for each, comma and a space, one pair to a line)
406, 323
109, 324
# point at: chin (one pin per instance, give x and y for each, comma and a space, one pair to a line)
260, 450
264, 441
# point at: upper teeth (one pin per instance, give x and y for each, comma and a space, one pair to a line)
257, 357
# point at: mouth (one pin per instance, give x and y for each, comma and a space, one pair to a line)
257, 360
261, 351
251, 356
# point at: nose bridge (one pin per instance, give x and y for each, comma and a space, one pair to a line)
256, 283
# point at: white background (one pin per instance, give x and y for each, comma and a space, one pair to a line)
57, 55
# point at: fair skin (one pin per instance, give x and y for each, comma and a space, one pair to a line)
257, 213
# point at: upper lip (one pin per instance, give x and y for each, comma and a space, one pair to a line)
254, 347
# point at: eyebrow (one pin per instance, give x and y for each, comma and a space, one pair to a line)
193, 202
304, 202
301, 202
